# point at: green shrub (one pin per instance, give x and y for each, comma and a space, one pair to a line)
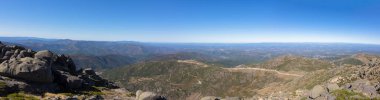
93, 93
20, 96
67, 94
347, 94
3, 85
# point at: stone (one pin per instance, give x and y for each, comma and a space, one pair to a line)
72, 98
331, 87
317, 91
148, 96
48, 71
14, 47
28, 69
89, 71
96, 97
74, 82
210, 98
64, 63
68, 80
8, 53
17, 51
23, 54
364, 86
44, 54
29, 50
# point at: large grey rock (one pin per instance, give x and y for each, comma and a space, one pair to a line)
331, 87
46, 67
365, 87
91, 79
23, 54
29, 69
44, 54
148, 96
64, 63
74, 82
89, 71
7, 55
317, 91
68, 80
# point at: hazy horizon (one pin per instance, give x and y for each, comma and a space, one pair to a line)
38, 38
195, 21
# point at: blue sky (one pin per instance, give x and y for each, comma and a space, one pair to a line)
216, 21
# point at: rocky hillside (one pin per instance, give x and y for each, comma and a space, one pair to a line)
285, 77
344, 82
192, 80
30, 75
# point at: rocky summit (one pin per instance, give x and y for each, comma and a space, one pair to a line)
28, 74
45, 67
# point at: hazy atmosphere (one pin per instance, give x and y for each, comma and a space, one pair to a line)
226, 21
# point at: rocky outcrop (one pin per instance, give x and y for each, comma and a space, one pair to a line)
68, 80
45, 67
368, 60
8, 52
92, 79
362, 84
29, 69
140, 95
332, 87
21, 63
317, 91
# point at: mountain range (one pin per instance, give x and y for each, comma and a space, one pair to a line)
210, 71
107, 54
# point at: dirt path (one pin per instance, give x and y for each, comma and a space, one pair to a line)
261, 69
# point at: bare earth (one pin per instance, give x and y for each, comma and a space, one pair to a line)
261, 69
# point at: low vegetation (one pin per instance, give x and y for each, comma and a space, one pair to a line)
3, 86
351, 61
178, 80
295, 64
19, 96
348, 95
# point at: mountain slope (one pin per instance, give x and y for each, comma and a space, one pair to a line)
185, 79
290, 77
351, 81
295, 64
102, 62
